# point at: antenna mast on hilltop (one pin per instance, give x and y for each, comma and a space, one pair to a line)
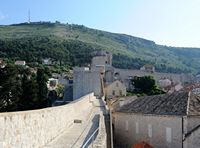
29, 16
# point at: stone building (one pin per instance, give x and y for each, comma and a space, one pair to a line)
101, 73
163, 83
148, 68
101, 58
109, 74
52, 84
47, 61
112, 87
97, 78
170, 120
68, 91
20, 63
115, 89
2, 64
86, 81
125, 75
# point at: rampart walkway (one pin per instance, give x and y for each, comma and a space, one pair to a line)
55, 126
79, 133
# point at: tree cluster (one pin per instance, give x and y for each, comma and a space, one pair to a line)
21, 89
146, 85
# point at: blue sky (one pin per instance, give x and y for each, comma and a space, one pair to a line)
167, 22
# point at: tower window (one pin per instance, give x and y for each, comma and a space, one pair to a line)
113, 92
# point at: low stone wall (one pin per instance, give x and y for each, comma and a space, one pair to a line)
101, 139
35, 128
192, 132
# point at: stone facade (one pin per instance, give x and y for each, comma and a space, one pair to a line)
102, 58
20, 63
109, 74
91, 79
86, 81
126, 74
158, 131
52, 84
36, 128
68, 91
115, 89
169, 120
191, 132
148, 68
155, 129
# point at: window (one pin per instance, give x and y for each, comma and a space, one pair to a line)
168, 134
136, 127
120, 92
70, 81
121, 103
126, 128
117, 85
150, 130
113, 92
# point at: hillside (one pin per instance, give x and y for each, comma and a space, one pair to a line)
73, 45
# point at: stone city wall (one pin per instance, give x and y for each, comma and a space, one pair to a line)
35, 128
177, 78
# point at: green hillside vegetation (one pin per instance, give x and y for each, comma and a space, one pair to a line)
73, 45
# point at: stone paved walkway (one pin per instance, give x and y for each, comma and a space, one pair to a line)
78, 134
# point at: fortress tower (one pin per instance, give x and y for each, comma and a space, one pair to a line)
101, 58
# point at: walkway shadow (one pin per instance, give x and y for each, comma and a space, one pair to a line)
102, 105
95, 125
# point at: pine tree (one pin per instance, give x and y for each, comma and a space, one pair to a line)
42, 87
10, 88
29, 97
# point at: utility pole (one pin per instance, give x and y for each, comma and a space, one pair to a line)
29, 16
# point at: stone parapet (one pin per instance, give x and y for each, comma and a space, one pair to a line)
36, 128
101, 139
